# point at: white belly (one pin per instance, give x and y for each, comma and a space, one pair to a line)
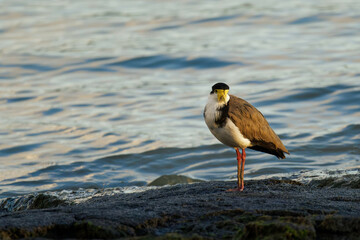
230, 135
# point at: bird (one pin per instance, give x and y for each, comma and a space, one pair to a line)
238, 124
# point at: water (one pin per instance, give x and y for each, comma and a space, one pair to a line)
98, 95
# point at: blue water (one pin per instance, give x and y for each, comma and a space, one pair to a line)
96, 94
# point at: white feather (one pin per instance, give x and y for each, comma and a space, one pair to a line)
229, 134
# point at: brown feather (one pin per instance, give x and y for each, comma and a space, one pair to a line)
253, 125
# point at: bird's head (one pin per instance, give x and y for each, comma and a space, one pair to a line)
221, 90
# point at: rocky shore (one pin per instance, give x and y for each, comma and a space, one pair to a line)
266, 209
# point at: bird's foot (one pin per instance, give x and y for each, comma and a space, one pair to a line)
238, 189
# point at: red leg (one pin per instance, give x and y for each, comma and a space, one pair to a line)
240, 170
243, 156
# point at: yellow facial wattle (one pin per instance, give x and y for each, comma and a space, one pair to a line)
221, 94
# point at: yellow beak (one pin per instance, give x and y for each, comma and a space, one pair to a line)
221, 95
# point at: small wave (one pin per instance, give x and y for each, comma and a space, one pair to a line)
306, 94
18, 99
306, 20
52, 111
89, 69
19, 149
340, 178
166, 27
214, 19
336, 178
347, 132
34, 67
50, 199
31, 201
345, 101
163, 61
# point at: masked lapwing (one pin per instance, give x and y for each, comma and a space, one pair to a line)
238, 124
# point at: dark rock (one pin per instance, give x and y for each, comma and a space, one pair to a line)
172, 180
266, 209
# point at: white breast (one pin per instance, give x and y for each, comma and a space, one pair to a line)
229, 134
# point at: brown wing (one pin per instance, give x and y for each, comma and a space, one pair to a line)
253, 125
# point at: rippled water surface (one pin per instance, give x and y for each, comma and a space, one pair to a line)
100, 94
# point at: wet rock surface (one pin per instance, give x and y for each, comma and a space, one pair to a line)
266, 209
